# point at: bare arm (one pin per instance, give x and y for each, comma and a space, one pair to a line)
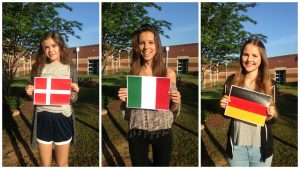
174, 94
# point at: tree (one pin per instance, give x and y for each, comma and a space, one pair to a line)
222, 32
23, 26
119, 20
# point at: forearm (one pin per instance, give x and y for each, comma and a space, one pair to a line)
175, 107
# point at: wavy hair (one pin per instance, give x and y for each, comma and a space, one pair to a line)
42, 59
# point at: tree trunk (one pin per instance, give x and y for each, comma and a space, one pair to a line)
6, 88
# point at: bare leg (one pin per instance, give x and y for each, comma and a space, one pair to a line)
45, 154
62, 155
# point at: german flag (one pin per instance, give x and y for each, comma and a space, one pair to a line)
248, 105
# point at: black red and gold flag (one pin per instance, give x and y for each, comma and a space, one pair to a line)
248, 105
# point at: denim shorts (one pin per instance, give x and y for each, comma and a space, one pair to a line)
248, 156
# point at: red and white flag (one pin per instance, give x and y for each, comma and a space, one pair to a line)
51, 91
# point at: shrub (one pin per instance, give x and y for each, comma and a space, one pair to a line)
106, 100
14, 102
204, 116
87, 82
211, 105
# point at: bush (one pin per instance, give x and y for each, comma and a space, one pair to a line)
122, 72
106, 100
211, 105
14, 102
87, 82
193, 73
204, 116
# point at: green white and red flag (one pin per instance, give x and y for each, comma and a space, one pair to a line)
145, 92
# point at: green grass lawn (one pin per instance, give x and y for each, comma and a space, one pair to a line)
284, 130
86, 150
185, 128
288, 89
189, 78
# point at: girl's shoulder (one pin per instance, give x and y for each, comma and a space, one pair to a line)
170, 72
172, 75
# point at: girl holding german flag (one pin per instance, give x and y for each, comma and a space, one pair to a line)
249, 144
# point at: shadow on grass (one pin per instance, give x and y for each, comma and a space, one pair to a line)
215, 142
108, 145
186, 129
111, 91
29, 126
205, 158
117, 125
210, 105
286, 143
189, 99
88, 95
19, 91
87, 125
11, 127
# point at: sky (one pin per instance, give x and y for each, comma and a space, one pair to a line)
88, 15
183, 16
184, 19
278, 21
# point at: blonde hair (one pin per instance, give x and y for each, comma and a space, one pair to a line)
263, 80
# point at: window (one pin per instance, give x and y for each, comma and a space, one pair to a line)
280, 76
183, 65
94, 67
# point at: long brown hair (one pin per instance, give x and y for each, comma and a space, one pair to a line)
263, 80
41, 58
137, 61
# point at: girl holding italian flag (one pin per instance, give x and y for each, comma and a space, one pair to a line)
150, 127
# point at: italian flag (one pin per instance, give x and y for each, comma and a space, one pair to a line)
248, 105
146, 92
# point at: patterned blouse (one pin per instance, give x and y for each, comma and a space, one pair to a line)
151, 123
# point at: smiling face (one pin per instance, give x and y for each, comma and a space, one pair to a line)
147, 46
51, 50
251, 58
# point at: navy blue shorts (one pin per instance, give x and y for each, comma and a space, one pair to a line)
54, 127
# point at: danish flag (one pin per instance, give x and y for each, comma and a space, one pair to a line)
51, 91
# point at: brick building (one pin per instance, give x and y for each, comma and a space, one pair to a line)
88, 60
183, 59
283, 69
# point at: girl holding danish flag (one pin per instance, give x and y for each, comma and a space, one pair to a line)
53, 124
